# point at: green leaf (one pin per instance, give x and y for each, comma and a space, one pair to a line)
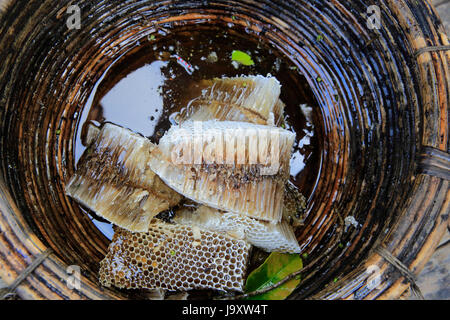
242, 58
276, 267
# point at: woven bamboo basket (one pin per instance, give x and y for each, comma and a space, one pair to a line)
384, 97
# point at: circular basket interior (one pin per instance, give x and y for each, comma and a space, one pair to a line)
383, 130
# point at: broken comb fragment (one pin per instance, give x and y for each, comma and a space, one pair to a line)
270, 237
228, 165
252, 99
174, 257
114, 180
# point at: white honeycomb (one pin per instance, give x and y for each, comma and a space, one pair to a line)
270, 237
174, 257
113, 179
252, 99
246, 175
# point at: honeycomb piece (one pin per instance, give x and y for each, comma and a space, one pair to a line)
294, 205
222, 165
252, 99
89, 133
174, 257
114, 180
267, 236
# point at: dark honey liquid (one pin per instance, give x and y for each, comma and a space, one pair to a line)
143, 90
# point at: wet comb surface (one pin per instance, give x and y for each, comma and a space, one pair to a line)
114, 180
227, 186
174, 257
252, 99
267, 236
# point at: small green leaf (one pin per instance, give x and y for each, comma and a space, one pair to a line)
242, 58
276, 267
319, 38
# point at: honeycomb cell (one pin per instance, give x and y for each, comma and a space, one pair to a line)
175, 262
270, 237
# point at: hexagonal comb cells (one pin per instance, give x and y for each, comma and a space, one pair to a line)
175, 257
267, 236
